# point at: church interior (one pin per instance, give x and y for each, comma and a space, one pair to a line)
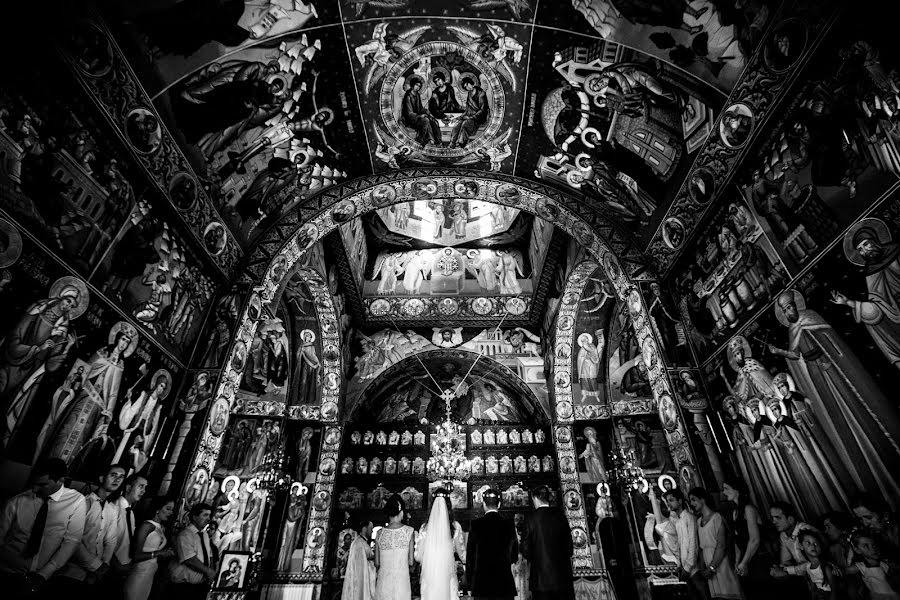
295, 261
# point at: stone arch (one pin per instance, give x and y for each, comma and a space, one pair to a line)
279, 250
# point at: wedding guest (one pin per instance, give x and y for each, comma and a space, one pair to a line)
680, 541
751, 560
132, 491
92, 557
547, 545
712, 535
837, 527
359, 580
394, 550
820, 576
39, 530
191, 572
880, 576
874, 514
149, 546
792, 558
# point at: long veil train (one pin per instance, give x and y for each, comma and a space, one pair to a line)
438, 565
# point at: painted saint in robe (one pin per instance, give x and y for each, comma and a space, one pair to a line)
38, 344
94, 406
868, 244
307, 369
846, 403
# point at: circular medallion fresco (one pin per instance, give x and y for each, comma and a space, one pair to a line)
380, 307
409, 81
515, 306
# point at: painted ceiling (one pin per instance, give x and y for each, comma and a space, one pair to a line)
274, 100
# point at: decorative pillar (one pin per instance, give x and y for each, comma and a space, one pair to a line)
196, 400
697, 407
321, 504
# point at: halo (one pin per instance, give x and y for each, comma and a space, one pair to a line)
298, 489
13, 250
310, 332
799, 301
662, 479
792, 386
748, 353
585, 430
603, 488
252, 485
586, 337
448, 76
162, 374
128, 329
412, 79
84, 297
876, 225
234, 490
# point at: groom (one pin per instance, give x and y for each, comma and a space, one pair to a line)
547, 545
491, 551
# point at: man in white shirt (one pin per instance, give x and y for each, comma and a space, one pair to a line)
39, 530
91, 560
132, 491
194, 567
679, 534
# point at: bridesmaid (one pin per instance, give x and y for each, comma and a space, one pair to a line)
148, 547
713, 537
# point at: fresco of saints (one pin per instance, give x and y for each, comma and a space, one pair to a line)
94, 406
588, 364
140, 418
307, 371
847, 406
476, 114
753, 379
39, 344
414, 115
868, 244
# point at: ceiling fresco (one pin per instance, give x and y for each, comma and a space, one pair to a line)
274, 100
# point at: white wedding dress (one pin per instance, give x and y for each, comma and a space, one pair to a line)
434, 549
392, 581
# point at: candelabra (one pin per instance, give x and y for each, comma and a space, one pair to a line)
625, 471
274, 476
448, 460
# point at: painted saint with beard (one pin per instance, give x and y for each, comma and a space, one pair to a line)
868, 244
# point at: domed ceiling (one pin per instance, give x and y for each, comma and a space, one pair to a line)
273, 100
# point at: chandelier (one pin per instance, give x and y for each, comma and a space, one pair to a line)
448, 460
274, 476
625, 472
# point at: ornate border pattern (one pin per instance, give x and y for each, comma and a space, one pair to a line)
118, 94
761, 89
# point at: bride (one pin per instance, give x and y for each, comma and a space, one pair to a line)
435, 548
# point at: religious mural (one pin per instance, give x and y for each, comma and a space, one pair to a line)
627, 369
62, 172
194, 403
268, 126
710, 40
513, 10
596, 306
440, 92
612, 123
666, 322
77, 382
451, 271
479, 394
212, 349
151, 273
807, 383
449, 221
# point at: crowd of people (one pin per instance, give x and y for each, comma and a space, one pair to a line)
739, 552
495, 560
107, 541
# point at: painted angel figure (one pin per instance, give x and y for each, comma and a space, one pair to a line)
484, 264
495, 46
601, 293
384, 48
390, 265
510, 265
418, 267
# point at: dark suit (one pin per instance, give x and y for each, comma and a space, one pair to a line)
490, 551
547, 544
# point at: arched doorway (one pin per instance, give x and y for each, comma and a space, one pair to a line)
278, 255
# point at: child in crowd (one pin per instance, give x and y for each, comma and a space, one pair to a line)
878, 575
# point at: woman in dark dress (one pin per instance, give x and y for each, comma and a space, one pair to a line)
751, 557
